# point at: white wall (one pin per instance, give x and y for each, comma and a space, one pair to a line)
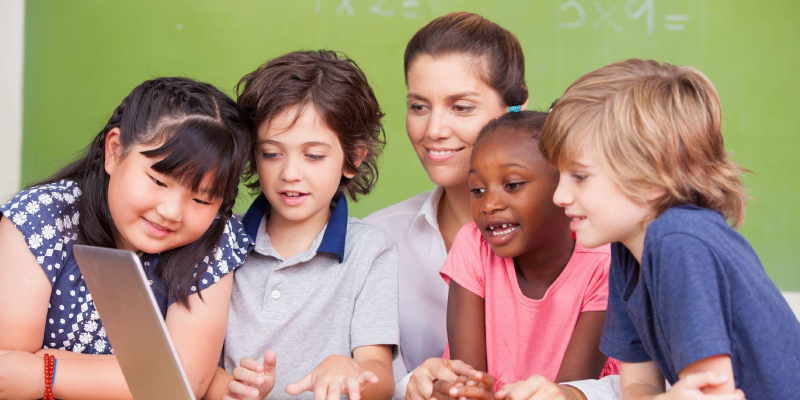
12, 17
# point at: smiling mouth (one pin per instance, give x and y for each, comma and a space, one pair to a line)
293, 194
442, 152
502, 229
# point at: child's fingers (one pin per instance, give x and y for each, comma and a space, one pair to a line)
241, 389
270, 361
251, 364
368, 376
334, 390
354, 387
303, 385
248, 376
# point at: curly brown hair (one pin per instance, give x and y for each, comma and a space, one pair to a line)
337, 89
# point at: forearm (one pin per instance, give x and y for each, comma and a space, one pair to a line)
219, 385
85, 378
640, 391
382, 390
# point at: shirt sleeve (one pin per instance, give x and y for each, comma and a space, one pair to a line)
375, 314
691, 293
606, 388
596, 297
47, 216
229, 254
463, 263
620, 339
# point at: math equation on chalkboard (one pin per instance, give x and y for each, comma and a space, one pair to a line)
383, 8
576, 14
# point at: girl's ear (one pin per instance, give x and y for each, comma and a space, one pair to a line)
524, 105
113, 150
361, 153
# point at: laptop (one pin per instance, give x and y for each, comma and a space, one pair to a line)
133, 323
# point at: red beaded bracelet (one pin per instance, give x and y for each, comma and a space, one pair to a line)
49, 364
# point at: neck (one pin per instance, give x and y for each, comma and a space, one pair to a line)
548, 257
635, 243
453, 212
290, 238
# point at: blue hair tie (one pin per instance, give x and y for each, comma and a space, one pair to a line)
514, 108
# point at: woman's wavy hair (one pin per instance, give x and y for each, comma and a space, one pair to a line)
496, 52
200, 133
337, 89
652, 126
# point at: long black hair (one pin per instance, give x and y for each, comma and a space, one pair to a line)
200, 132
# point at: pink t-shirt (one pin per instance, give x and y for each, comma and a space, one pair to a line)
524, 336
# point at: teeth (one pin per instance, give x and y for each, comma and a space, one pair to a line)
510, 229
441, 153
292, 194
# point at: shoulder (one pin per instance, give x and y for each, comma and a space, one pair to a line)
365, 233
407, 208
687, 220
44, 212
597, 257
231, 251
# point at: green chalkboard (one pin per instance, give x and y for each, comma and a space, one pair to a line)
82, 57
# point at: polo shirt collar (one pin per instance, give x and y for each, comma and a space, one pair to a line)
335, 234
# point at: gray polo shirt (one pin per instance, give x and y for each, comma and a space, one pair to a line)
339, 294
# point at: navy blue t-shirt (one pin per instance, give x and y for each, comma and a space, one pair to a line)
701, 291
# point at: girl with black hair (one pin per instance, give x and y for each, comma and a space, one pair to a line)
160, 179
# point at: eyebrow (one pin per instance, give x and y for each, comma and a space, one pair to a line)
454, 96
306, 144
577, 164
511, 164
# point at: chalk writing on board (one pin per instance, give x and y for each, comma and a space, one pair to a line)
382, 8
574, 15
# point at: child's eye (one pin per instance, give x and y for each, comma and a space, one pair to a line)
315, 157
198, 201
578, 177
514, 185
158, 182
269, 156
477, 191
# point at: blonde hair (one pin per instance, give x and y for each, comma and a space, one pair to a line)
652, 126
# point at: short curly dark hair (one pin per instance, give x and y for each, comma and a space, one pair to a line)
337, 89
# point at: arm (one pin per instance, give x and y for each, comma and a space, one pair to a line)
583, 359
24, 284
466, 327
198, 334
378, 360
710, 377
338, 374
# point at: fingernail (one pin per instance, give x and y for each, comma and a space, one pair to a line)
254, 392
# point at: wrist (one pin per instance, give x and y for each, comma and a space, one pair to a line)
572, 393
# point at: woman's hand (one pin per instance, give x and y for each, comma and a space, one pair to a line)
420, 385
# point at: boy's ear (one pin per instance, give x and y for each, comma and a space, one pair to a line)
361, 153
654, 194
113, 150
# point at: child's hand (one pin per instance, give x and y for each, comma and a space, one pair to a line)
478, 386
420, 385
691, 388
253, 380
334, 376
537, 387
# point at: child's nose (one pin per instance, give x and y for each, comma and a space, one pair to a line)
170, 207
492, 202
291, 171
562, 197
